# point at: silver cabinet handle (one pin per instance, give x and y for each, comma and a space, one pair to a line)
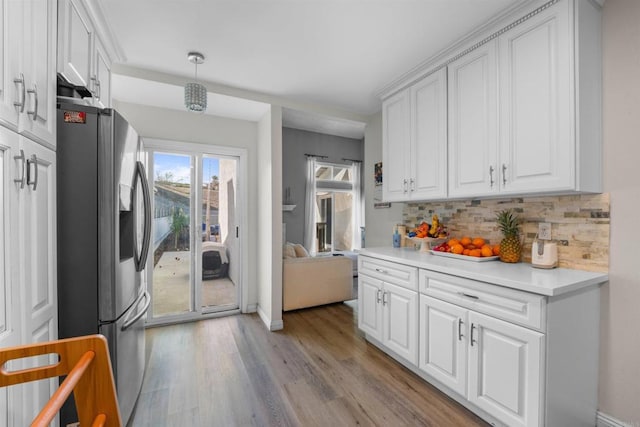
469, 295
99, 89
412, 187
33, 161
405, 186
379, 270
504, 174
20, 104
34, 112
460, 322
378, 299
491, 175
384, 298
22, 161
472, 340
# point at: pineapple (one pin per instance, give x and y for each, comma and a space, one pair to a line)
510, 246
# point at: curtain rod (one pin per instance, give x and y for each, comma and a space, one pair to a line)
316, 155
352, 160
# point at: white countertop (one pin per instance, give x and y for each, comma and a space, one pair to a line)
520, 276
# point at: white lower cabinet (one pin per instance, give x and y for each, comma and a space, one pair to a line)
28, 293
443, 342
512, 357
504, 370
388, 313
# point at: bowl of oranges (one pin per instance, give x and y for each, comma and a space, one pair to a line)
469, 248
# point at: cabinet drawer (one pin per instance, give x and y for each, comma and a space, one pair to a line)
391, 272
515, 306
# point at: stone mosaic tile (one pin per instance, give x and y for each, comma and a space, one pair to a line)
579, 224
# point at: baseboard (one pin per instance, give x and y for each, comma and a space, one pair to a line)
275, 325
604, 420
251, 308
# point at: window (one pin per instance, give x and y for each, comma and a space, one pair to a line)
335, 197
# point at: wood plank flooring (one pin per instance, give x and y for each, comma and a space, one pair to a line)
318, 371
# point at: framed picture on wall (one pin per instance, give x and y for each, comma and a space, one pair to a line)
377, 190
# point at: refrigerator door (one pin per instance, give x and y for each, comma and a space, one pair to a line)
127, 351
119, 148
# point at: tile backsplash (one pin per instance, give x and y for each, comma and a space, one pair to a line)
579, 224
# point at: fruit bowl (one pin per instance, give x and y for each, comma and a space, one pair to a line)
426, 242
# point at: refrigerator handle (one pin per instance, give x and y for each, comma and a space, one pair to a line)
141, 176
127, 324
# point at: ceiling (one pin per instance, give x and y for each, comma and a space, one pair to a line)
334, 53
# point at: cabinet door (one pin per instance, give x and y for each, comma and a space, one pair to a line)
10, 36
428, 161
39, 56
473, 121
370, 306
400, 321
536, 88
76, 43
396, 147
443, 342
38, 265
102, 80
9, 279
506, 365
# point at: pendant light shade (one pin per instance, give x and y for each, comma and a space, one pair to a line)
195, 94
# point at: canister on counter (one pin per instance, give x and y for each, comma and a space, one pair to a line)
402, 231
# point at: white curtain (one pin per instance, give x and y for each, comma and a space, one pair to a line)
357, 212
310, 208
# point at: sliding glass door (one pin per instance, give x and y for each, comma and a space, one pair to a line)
195, 268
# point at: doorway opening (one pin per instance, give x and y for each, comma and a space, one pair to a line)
195, 268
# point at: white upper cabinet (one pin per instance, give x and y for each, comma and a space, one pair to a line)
27, 75
39, 64
102, 78
396, 147
537, 149
75, 43
414, 141
429, 137
524, 110
473, 122
82, 57
10, 86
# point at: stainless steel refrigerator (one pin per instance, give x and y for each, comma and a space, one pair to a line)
103, 240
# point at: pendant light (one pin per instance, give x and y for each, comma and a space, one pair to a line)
195, 94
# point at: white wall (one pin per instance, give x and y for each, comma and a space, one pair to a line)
268, 235
619, 394
159, 123
378, 222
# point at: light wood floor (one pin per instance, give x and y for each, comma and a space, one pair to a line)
318, 371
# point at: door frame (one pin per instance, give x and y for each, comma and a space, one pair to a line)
198, 150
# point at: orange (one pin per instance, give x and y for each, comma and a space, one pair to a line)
470, 246
465, 241
478, 242
466, 252
486, 251
453, 242
475, 252
496, 249
457, 249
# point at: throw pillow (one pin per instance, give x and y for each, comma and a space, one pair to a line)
288, 251
301, 252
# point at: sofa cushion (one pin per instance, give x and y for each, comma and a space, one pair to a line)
301, 251
288, 251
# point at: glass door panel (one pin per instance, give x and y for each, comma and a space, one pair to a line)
172, 196
220, 252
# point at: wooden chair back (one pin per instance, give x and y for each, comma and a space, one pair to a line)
86, 363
